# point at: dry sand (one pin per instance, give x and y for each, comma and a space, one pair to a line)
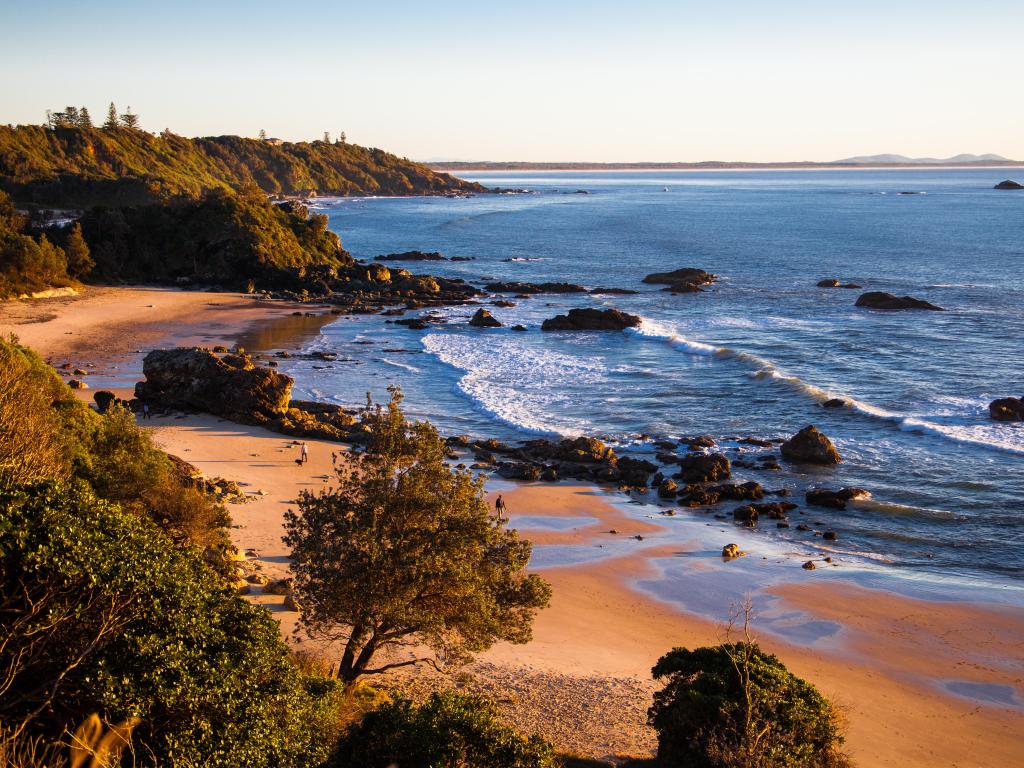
584, 680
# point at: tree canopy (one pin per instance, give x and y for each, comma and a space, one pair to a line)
404, 552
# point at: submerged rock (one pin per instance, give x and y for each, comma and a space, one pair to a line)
196, 379
684, 280
528, 288
833, 283
882, 300
823, 497
809, 446
1007, 409
590, 319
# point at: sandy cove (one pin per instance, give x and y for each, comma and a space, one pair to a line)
584, 681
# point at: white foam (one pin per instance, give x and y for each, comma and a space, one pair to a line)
396, 364
527, 387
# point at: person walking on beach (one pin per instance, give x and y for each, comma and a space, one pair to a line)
145, 411
499, 507
304, 453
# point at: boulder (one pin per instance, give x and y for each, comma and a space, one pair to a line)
635, 471
76, 384
411, 256
197, 380
748, 513
829, 283
705, 467
278, 587
749, 491
883, 300
1007, 409
685, 280
809, 565
103, 400
528, 288
732, 551
518, 327
1008, 184
809, 446
590, 319
484, 319
668, 489
830, 536
823, 497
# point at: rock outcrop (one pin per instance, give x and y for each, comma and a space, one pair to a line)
411, 256
833, 283
685, 280
535, 288
590, 319
882, 300
809, 446
1007, 409
195, 379
1008, 184
484, 319
704, 468
822, 497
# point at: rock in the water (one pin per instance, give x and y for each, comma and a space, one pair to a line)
668, 489
590, 319
1007, 409
732, 551
685, 280
411, 256
835, 402
822, 497
484, 319
882, 300
809, 446
195, 379
830, 536
76, 384
705, 467
830, 283
518, 327
1008, 184
747, 513
527, 288
809, 565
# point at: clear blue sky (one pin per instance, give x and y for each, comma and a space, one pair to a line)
554, 80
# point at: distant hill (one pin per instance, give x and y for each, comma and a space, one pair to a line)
77, 167
904, 160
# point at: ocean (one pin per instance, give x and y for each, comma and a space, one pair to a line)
754, 355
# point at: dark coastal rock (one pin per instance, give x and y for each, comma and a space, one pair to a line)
195, 379
484, 319
697, 442
887, 301
833, 283
823, 497
705, 467
503, 303
667, 489
830, 536
77, 384
748, 491
809, 446
413, 323
590, 319
1008, 184
411, 256
1007, 409
809, 565
747, 513
835, 402
103, 400
528, 288
685, 280
613, 291
634, 472
732, 551
518, 327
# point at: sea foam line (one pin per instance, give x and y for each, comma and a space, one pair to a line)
767, 371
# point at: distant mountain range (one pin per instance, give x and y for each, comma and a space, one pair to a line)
861, 161
904, 160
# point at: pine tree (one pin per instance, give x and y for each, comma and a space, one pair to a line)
129, 120
112, 121
263, 135
70, 115
84, 118
77, 252
327, 138
342, 138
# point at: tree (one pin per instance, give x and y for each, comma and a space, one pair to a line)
342, 138
84, 118
112, 121
327, 138
77, 252
735, 706
129, 119
263, 135
448, 729
404, 552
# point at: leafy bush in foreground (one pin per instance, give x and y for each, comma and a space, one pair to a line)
736, 706
449, 730
100, 612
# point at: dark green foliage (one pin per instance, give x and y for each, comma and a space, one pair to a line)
76, 166
27, 263
100, 613
76, 251
404, 552
223, 238
449, 730
735, 706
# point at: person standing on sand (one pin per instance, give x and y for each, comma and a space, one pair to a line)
145, 411
499, 507
304, 453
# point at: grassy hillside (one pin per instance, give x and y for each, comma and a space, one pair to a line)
82, 166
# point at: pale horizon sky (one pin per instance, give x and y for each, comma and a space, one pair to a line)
636, 80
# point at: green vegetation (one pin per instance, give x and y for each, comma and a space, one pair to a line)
449, 730
404, 552
31, 263
77, 165
734, 706
223, 237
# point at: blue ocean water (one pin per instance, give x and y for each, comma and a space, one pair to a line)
753, 356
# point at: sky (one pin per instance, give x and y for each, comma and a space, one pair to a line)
560, 80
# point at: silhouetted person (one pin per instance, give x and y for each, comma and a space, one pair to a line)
304, 454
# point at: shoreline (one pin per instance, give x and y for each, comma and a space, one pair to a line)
602, 625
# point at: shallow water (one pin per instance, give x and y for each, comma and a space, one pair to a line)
754, 355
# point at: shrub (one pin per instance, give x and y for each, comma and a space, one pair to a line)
449, 729
734, 705
100, 612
